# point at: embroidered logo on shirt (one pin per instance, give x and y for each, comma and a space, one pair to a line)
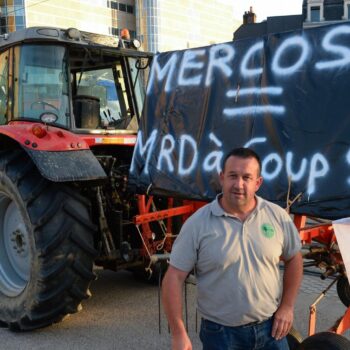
267, 230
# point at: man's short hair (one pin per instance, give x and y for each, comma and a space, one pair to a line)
242, 152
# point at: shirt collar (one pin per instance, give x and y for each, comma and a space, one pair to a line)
217, 209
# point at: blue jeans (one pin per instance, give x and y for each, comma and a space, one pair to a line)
250, 337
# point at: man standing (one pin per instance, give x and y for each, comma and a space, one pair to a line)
235, 244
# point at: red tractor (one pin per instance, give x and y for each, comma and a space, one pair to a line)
70, 103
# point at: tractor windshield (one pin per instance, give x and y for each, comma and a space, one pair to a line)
41, 83
108, 93
102, 99
87, 90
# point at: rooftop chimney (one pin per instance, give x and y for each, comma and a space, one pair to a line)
249, 16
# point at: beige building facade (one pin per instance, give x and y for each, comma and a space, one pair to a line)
161, 25
85, 15
168, 25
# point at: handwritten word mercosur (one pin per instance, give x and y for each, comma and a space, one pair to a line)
221, 58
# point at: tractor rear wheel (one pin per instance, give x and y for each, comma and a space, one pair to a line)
343, 290
46, 246
325, 341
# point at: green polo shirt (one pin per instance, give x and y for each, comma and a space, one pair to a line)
237, 263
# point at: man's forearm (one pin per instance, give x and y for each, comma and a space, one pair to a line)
292, 278
172, 301
283, 318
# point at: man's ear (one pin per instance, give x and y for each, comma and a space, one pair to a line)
259, 182
221, 178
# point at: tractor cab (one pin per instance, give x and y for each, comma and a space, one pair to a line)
84, 82
70, 106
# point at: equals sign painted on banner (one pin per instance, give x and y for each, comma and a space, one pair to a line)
256, 109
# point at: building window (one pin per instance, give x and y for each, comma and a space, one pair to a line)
315, 14
3, 25
114, 31
114, 5
19, 21
315, 11
346, 15
122, 7
12, 16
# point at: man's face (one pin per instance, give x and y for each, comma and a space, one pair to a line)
239, 181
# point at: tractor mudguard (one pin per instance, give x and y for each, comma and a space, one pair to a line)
80, 165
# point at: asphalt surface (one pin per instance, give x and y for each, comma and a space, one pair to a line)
123, 314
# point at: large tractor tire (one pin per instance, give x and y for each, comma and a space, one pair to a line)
325, 341
343, 290
46, 246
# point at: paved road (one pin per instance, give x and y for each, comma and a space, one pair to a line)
123, 314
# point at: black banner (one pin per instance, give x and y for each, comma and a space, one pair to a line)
287, 96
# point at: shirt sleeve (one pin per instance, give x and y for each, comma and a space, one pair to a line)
184, 251
292, 243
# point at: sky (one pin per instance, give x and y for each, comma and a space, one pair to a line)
264, 8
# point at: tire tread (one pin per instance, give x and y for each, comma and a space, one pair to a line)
63, 259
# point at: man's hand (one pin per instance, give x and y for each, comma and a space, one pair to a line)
293, 274
181, 342
283, 321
